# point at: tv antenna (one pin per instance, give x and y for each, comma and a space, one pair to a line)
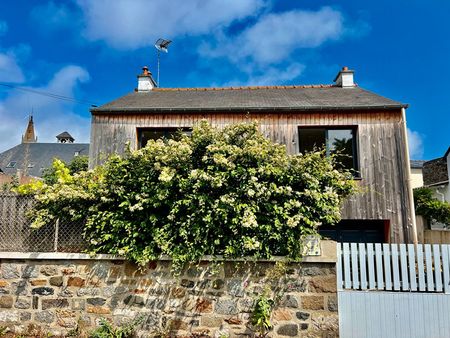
161, 45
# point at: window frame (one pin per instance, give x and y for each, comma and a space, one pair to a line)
139, 131
353, 128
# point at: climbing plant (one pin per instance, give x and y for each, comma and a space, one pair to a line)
230, 192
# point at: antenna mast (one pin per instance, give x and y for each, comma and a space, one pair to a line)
161, 45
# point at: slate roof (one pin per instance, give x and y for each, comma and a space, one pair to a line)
279, 98
64, 134
435, 172
39, 156
416, 164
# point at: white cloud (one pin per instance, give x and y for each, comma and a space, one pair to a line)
415, 143
3, 27
56, 15
126, 24
9, 69
274, 37
51, 116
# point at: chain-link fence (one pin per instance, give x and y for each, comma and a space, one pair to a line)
17, 235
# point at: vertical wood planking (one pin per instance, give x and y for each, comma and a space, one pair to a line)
437, 267
347, 276
420, 268
379, 264
371, 266
404, 267
429, 268
339, 266
395, 267
355, 270
387, 266
412, 267
362, 265
445, 268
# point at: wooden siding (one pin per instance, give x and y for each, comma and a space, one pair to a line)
381, 152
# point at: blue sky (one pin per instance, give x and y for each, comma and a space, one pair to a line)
92, 50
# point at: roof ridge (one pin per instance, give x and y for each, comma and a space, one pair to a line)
244, 87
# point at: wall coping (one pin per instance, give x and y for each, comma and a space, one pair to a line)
328, 255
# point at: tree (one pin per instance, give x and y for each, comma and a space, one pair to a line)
229, 192
430, 207
78, 164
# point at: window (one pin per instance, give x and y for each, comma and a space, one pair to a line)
11, 164
146, 134
77, 153
31, 165
339, 141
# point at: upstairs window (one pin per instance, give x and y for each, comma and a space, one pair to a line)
11, 164
146, 134
339, 141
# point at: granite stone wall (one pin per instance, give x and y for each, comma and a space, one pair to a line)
207, 300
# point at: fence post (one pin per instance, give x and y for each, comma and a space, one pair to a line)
55, 244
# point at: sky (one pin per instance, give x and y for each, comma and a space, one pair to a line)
92, 50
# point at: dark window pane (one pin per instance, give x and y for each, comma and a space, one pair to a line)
311, 138
341, 143
144, 135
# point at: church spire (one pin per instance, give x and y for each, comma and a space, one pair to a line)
29, 136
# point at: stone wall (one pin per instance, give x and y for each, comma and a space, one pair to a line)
206, 300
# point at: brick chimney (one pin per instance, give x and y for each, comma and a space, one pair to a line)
344, 78
145, 81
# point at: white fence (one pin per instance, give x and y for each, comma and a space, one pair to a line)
393, 267
393, 290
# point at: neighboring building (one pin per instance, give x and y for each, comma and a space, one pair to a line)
367, 127
30, 157
436, 176
416, 173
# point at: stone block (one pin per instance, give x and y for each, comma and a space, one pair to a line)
96, 301
88, 292
324, 323
235, 287
304, 326
10, 270
3, 284
22, 303
302, 315
35, 302
56, 280
30, 271
7, 316
76, 281
133, 300
43, 291
290, 330
54, 303
49, 270
210, 321
44, 317
69, 269
289, 301
177, 324
282, 314
19, 288
25, 316
204, 305
65, 293
100, 310
178, 292
78, 304
38, 282
218, 284
246, 305
323, 284
313, 302
6, 302
155, 303
332, 304
4, 291
226, 307
187, 283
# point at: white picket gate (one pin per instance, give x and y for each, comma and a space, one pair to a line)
393, 290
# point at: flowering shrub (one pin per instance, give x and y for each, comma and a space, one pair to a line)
229, 192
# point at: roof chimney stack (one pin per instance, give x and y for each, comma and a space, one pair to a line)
344, 78
145, 81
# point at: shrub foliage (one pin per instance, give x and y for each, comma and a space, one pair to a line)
430, 207
229, 192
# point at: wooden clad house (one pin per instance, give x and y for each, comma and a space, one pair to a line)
366, 126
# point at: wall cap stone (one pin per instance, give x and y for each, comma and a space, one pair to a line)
328, 255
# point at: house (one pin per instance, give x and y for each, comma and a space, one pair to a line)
436, 176
30, 157
416, 173
367, 127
